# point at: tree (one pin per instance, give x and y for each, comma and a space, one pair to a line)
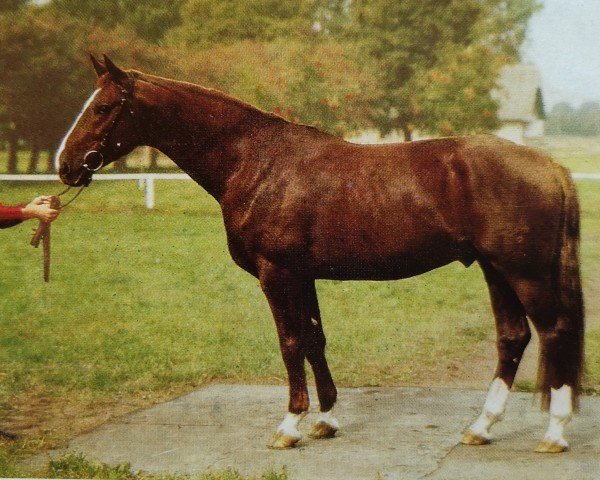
539, 108
313, 83
566, 120
32, 67
561, 119
148, 19
589, 119
210, 22
503, 25
45, 74
9, 135
454, 96
410, 41
12, 5
267, 53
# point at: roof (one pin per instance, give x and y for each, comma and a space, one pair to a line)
516, 92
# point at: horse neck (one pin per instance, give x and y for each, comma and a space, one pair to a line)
200, 130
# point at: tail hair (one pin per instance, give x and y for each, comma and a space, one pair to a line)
570, 318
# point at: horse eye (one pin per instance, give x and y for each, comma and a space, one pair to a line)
103, 109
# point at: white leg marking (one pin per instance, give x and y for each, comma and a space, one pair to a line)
561, 411
493, 408
328, 418
289, 426
63, 143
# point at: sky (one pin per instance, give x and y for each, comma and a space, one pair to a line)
564, 43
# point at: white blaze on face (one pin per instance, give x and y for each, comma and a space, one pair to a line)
66, 137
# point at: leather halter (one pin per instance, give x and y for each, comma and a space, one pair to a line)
94, 159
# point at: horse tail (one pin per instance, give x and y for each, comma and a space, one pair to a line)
569, 329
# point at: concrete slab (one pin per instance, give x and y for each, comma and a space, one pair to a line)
390, 433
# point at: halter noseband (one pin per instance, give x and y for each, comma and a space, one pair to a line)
94, 159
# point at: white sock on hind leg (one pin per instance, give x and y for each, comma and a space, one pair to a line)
561, 411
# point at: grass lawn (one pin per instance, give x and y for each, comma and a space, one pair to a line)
145, 305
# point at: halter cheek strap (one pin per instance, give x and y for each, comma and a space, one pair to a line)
93, 160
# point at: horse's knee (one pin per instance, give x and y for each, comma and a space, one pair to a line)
292, 349
512, 345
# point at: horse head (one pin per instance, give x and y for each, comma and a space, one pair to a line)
105, 129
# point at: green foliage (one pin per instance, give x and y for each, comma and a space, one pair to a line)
413, 41
8, 469
45, 74
12, 5
149, 19
325, 88
209, 22
503, 25
73, 465
540, 110
454, 97
338, 65
582, 121
314, 83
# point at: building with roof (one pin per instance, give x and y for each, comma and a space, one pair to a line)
519, 96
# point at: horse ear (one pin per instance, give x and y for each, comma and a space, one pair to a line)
116, 74
100, 69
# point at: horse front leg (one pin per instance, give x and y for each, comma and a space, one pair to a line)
326, 425
285, 293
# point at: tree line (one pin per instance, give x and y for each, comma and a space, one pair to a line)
340, 65
564, 119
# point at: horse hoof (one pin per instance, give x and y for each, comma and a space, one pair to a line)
470, 438
322, 430
281, 441
550, 446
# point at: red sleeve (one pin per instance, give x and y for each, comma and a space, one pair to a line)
10, 216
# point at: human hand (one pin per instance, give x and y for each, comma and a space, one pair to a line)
40, 208
41, 200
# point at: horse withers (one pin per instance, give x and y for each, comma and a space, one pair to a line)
300, 205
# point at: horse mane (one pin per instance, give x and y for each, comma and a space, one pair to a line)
195, 89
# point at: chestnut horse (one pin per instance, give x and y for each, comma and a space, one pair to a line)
299, 205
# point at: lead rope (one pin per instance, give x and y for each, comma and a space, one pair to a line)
43, 230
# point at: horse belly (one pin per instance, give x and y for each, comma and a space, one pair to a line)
393, 257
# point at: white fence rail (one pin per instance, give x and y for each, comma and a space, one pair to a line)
146, 180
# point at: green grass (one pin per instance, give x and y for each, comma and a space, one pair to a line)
149, 302
75, 465
579, 154
141, 300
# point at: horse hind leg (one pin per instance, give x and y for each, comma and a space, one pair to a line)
326, 425
559, 322
512, 336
